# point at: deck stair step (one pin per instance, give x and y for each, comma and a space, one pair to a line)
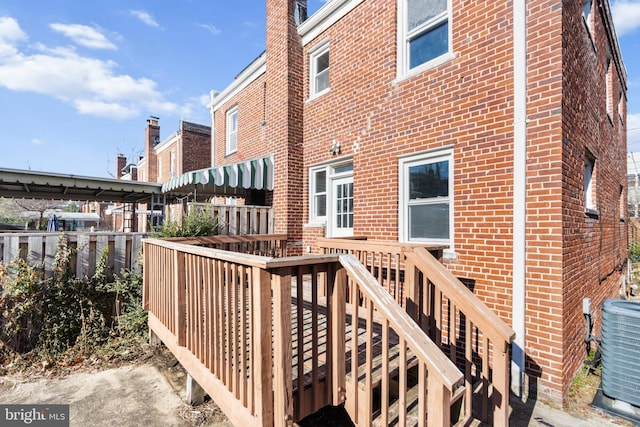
376, 369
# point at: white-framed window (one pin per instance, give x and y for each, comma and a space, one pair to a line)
587, 8
589, 183
608, 81
172, 164
318, 203
424, 34
232, 130
331, 197
426, 197
319, 70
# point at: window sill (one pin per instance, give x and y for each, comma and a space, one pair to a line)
317, 95
316, 224
436, 62
592, 213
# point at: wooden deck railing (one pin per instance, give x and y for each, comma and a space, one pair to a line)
459, 323
274, 339
270, 245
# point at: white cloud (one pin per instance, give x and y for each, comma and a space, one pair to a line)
84, 35
36, 141
92, 86
10, 34
145, 17
626, 16
211, 28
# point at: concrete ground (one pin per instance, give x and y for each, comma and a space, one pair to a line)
152, 393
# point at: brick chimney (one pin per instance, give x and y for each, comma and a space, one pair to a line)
285, 102
121, 162
152, 134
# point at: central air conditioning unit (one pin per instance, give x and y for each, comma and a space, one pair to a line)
621, 351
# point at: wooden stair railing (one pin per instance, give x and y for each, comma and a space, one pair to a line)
473, 335
426, 380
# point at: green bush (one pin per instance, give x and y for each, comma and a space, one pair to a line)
50, 316
200, 221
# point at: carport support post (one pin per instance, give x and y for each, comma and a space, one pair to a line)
195, 393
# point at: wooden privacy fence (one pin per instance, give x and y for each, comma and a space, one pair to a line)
472, 336
275, 339
240, 219
40, 249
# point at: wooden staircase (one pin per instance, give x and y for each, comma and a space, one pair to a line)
385, 330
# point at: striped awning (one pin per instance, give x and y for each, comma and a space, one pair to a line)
256, 174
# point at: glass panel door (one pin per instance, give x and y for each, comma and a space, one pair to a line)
342, 207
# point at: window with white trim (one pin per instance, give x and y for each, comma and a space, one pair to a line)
232, 131
426, 197
589, 183
331, 197
587, 7
319, 71
172, 164
608, 81
424, 33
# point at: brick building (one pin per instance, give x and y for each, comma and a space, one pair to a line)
495, 128
187, 149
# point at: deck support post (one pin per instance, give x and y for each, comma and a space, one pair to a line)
195, 393
154, 339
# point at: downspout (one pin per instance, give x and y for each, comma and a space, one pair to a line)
213, 95
519, 193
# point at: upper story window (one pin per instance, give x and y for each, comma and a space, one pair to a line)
172, 164
319, 71
424, 34
426, 188
232, 131
587, 7
589, 183
608, 77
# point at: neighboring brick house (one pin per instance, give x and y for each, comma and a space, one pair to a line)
399, 120
187, 149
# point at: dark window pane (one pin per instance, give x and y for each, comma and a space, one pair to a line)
321, 182
430, 180
321, 205
322, 63
429, 45
429, 221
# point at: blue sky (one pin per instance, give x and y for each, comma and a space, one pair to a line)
79, 79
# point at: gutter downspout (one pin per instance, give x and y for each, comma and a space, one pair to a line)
213, 94
519, 193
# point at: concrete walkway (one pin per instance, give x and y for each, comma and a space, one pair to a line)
150, 395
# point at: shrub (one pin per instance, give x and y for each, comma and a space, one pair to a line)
50, 316
200, 221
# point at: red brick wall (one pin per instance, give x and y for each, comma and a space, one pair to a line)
251, 125
594, 246
284, 112
151, 164
465, 104
195, 150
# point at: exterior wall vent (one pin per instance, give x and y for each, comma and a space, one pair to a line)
621, 351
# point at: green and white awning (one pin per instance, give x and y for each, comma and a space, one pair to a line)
256, 174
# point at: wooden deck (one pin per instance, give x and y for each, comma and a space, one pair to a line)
274, 339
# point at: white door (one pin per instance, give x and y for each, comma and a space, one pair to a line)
341, 222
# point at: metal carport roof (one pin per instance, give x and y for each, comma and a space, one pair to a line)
17, 183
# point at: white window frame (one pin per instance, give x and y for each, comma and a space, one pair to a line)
587, 16
589, 178
404, 200
404, 37
172, 164
319, 51
313, 194
331, 174
231, 140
